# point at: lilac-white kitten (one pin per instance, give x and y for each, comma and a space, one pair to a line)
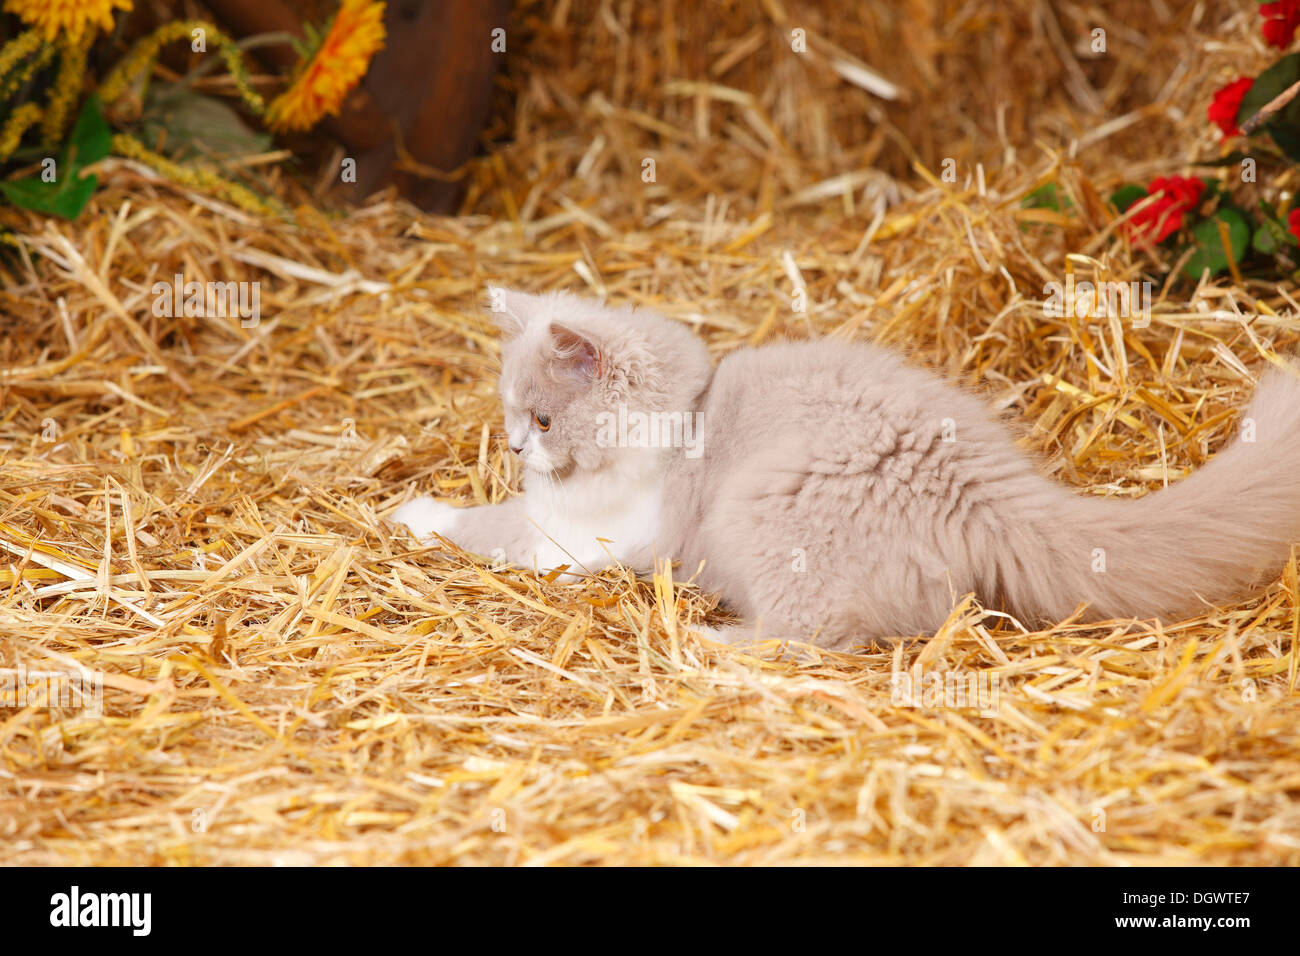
834, 494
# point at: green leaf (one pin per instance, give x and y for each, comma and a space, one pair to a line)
1232, 159
192, 124
1268, 85
65, 199
68, 195
1263, 242
1272, 234
1126, 196
1284, 127
1282, 235
91, 138
1209, 244
1287, 137
1044, 197
1048, 196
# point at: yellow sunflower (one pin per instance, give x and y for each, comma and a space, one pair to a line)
339, 63
66, 16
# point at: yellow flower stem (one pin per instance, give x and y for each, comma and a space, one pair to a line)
143, 53
67, 86
14, 80
20, 121
197, 178
18, 49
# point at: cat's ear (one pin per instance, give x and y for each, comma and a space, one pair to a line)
575, 355
510, 310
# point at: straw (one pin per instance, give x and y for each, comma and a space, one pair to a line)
192, 506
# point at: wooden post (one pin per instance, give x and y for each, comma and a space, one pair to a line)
430, 86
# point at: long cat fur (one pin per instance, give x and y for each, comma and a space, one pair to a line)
840, 495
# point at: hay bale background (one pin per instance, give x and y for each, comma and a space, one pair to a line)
288, 681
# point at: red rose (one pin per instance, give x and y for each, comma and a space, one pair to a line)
1293, 223
1280, 21
1163, 216
1227, 102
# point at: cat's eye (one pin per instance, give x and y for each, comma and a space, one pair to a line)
543, 421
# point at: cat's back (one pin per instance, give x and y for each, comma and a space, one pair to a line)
866, 466
800, 414
791, 387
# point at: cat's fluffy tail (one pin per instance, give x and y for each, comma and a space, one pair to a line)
1204, 540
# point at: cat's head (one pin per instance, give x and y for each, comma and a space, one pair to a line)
568, 364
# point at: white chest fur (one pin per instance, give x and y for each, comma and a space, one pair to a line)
594, 521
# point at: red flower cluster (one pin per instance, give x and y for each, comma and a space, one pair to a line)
1227, 102
1293, 223
1161, 218
1280, 21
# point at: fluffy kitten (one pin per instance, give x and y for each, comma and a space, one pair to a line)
835, 494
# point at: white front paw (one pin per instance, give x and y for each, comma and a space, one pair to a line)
425, 517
